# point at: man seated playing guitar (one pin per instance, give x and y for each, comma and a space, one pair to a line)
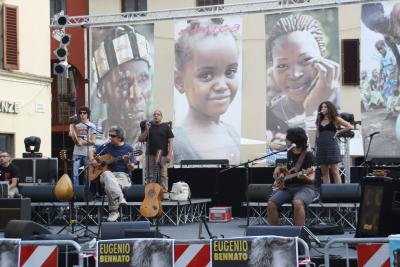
298, 187
118, 176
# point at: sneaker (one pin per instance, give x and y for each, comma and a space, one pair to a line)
123, 203
114, 215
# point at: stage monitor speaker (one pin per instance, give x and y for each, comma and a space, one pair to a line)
37, 170
134, 193
24, 229
42, 193
118, 230
287, 231
380, 205
259, 192
14, 208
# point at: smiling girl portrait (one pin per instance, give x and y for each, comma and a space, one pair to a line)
207, 95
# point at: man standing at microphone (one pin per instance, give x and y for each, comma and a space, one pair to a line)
299, 189
79, 135
158, 135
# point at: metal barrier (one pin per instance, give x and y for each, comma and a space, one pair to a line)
65, 243
347, 241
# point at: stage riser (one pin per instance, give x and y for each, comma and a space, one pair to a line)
50, 213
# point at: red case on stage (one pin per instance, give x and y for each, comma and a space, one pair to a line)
220, 214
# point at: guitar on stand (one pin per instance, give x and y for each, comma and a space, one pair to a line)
151, 206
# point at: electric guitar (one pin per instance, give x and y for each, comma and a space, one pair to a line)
105, 163
285, 176
153, 193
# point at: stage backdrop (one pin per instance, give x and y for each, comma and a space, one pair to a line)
122, 69
302, 50
207, 98
379, 91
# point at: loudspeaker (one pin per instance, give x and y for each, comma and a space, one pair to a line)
26, 230
118, 230
379, 206
288, 231
134, 193
340, 193
42, 193
259, 192
14, 208
37, 170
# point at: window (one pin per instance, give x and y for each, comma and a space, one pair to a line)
66, 91
56, 6
209, 2
134, 5
350, 62
10, 37
7, 143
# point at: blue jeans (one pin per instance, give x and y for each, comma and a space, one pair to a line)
78, 161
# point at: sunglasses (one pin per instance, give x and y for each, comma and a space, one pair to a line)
112, 135
83, 112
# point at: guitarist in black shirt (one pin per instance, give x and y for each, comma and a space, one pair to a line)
294, 183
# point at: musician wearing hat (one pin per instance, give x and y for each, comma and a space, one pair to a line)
122, 66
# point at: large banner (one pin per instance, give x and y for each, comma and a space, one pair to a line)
380, 58
122, 68
302, 69
207, 98
254, 251
135, 252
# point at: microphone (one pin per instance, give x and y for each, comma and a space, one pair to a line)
293, 145
374, 133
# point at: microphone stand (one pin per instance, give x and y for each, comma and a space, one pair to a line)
246, 165
365, 162
86, 180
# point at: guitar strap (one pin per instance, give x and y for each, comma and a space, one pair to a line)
300, 160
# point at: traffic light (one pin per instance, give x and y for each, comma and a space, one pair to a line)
61, 67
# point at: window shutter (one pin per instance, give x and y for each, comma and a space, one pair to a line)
10, 22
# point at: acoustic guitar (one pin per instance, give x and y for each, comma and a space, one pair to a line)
64, 190
285, 176
105, 163
153, 193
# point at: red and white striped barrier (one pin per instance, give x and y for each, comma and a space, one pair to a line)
373, 255
43, 256
192, 255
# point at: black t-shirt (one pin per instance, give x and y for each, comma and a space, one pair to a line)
308, 162
6, 173
158, 138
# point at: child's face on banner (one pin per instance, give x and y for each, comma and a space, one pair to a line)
293, 56
209, 78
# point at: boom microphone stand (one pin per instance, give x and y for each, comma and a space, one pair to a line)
246, 165
366, 162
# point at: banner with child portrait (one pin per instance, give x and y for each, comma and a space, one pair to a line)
207, 95
303, 69
380, 58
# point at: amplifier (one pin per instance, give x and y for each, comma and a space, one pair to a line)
14, 209
37, 170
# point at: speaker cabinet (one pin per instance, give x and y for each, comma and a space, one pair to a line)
118, 230
350, 62
37, 170
24, 229
380, 205
14, 209
287, 231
